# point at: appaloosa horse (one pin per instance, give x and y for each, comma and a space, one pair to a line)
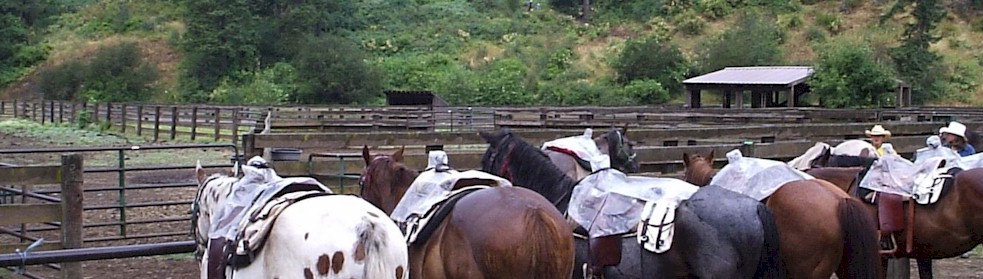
614, 143
822, 229
718, 233
324, 236
497, 232
949, 227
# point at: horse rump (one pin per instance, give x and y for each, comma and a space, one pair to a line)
771, 263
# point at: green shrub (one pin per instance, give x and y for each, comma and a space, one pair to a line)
332, 70
653, 59
715, 9
830, 22
273, 86
753, 41
847, 75
690, 23
646, 91
815, 34
790, 21
62, 82
119, 73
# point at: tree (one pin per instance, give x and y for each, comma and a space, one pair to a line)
332, 70
753, 41
652, 58
847, 75
219, 41
915, 62
20, 23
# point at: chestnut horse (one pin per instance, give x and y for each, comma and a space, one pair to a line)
614, 143
822, 229
718, 233
497, 232
947, 228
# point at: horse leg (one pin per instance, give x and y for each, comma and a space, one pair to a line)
924, 268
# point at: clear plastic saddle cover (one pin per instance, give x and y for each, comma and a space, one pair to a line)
609, 202
755, 177
250, 193
926, 153
854, 148
896, 175
804, 161
433, 186
584, 147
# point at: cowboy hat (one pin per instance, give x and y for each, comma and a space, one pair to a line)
878, 130
955, 128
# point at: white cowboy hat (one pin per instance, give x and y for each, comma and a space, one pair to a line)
955, 128
878, 130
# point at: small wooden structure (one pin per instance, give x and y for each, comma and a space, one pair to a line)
765, 84
414, 98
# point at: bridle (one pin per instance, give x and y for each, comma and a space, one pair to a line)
620, 151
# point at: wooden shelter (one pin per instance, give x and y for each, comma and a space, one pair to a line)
413, 98
766, 85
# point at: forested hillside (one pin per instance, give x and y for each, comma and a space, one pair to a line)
488, 52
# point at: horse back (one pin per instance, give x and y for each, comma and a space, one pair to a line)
473, 239
736, 224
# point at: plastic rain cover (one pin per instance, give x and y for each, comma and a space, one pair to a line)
896, 175
585, 148
755, 177
434, 186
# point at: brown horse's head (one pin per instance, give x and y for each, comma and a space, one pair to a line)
385, 179
699, 169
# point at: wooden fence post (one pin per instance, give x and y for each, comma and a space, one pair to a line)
194, 122
61, 112
122, 118
43, 114
95, 113
139, 120
156, 123
51, 111
2, 104
109, 114
173, 122
235, 124
71, 222
218, 125
16, 109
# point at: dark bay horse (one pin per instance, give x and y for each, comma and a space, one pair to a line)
498, 232
945, 229
719, 233
614, 143
822, 229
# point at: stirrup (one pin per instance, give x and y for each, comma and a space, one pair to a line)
892, 242
588, 274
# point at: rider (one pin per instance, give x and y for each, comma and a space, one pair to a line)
954, 136
878, 135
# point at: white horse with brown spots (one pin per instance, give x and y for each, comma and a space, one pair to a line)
326, 236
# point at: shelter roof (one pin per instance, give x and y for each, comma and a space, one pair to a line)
765, 75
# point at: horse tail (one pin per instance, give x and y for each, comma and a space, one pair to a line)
383, 256
771, 264
860, 245
549, 251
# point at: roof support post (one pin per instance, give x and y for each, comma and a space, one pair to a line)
693, 98
792, 100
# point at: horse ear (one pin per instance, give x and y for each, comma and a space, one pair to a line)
398, 155
864, 152
200, 173
624, 131
365, 155
489, 137
710, 157
685, 159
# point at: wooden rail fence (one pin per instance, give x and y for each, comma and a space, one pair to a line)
67, 211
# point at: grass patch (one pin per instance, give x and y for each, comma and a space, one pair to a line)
178, 257
62, 134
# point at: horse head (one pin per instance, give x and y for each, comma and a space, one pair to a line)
621, 150
385, 179
699, 170
212, 191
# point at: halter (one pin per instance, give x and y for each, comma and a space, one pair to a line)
620, 151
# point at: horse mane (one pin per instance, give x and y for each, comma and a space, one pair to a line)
530, 168
613, 141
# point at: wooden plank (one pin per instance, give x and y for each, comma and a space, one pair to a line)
71, 211
15, 214
30, 175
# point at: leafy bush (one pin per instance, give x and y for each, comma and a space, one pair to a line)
815, 34
62, 82
646, 91
690, 23
714, 9
653, 59
830, 22
273, 86
847, 75
119, 73
753, 41
332, 70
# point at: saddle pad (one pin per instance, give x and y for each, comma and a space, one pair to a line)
656, 229
257, 227
420, 227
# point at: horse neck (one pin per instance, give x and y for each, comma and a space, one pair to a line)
401, 177
546, 180
700, 174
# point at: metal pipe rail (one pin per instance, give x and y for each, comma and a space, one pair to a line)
97, 253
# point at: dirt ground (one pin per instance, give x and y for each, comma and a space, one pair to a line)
185, 266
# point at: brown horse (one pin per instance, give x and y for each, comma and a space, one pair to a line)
822, 229
498, 232
947, 228
614, 143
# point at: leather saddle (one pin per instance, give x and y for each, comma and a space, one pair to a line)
895, 218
